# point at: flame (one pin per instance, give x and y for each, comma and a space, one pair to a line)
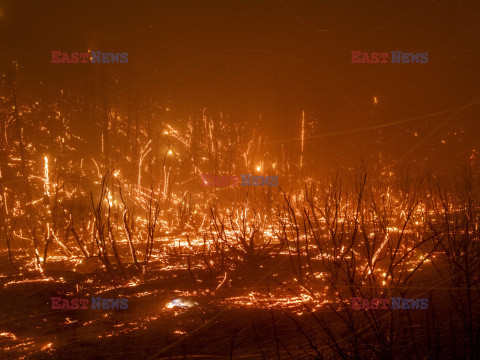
47, 346
46, 177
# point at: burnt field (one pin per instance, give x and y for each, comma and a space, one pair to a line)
272, 277
264, 180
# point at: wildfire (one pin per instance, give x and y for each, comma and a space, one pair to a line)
47, 346
9, 335
46, 178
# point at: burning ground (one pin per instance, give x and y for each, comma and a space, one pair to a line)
237, 271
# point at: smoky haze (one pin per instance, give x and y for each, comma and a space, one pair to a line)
264, 63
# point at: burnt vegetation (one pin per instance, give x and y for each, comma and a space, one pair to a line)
269, 271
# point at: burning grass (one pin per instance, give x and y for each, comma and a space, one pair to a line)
262, 272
